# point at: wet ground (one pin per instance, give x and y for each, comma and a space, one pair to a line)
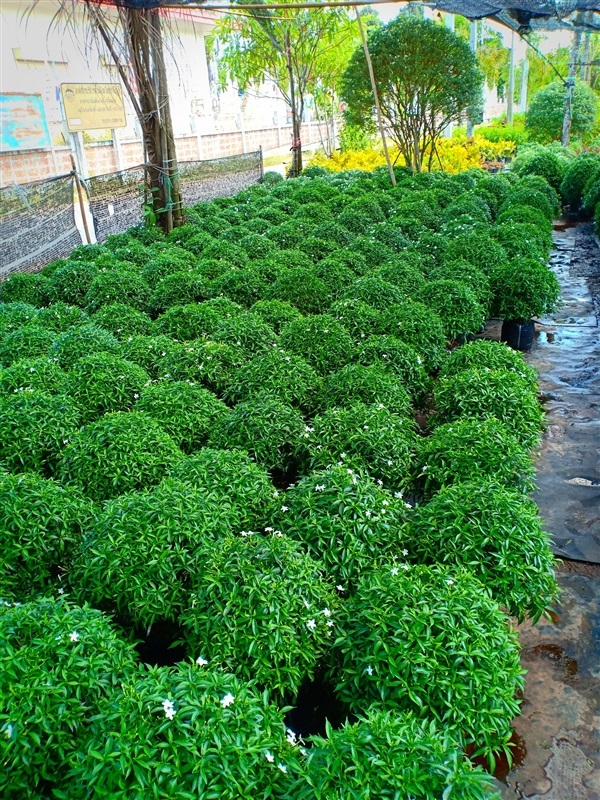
558, 733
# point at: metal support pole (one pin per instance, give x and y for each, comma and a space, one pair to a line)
524, 85
511, 81
449, 22
473, 46
570, 84
81, 203
376, 97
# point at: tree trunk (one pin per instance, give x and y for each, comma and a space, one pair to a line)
174, 205
296, 167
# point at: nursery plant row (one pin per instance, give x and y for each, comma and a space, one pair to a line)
272, 436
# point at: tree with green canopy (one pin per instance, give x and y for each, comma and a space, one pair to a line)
427, 77
546, 113
302, 51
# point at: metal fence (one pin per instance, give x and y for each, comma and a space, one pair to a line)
116, 198
37, 220
37, 224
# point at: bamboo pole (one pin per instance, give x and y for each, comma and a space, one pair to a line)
81, 203
376, 96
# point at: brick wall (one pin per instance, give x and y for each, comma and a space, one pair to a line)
35, 165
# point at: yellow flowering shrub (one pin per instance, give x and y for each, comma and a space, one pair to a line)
452, 155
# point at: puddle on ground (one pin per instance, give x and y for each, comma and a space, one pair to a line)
558, 655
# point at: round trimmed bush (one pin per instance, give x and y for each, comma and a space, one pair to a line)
226, 251
577, 174
247, 333
261, 589
82, 341
375, 292
60, 317
222, 738
485, 393
399, 272
147, 351
33, 374
120, 286
302, 288
289, 378
175, 259
118, 453
244, 286
237, 479
191, 321
368, 438
185, 411
103, 382
15, 315
213, 364
465, 273
256, 245
386, 754
320, 339
524, 288
24, 287
42, 525
484, 354
71, 282
336, 276
400, 646
60, 665
34, 430
417, 325
496, 534
359, 318
178, 289
30, 341
318, 249
345, 520
373, 251
146, 546
123, 321
456, 304
276, 313
373, 384
530, 197
469, 449
520, 240
290, 234
544, 163
481, 250
400, 358
269, 430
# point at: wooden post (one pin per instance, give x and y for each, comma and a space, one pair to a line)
81, 203
570, 84
376, 97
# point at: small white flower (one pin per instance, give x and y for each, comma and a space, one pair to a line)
369, 670
136, 396
367, 513
61, 590
269, 530
326, 612
202, 662
311, 624
407, 505
270, 757
8, 731
380, 482
342, 455
450, 582
330, 623
282, 767
227, 700
74, 637
285, 508
339, 587
320, 487
404, 567
389, 462
405, 552
394, 570
398, 494
170, 713
291, 737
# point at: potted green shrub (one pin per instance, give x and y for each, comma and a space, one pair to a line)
523, 288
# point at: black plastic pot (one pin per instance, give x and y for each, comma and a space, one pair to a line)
518, 334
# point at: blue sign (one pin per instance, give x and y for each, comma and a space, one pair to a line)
23, 123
